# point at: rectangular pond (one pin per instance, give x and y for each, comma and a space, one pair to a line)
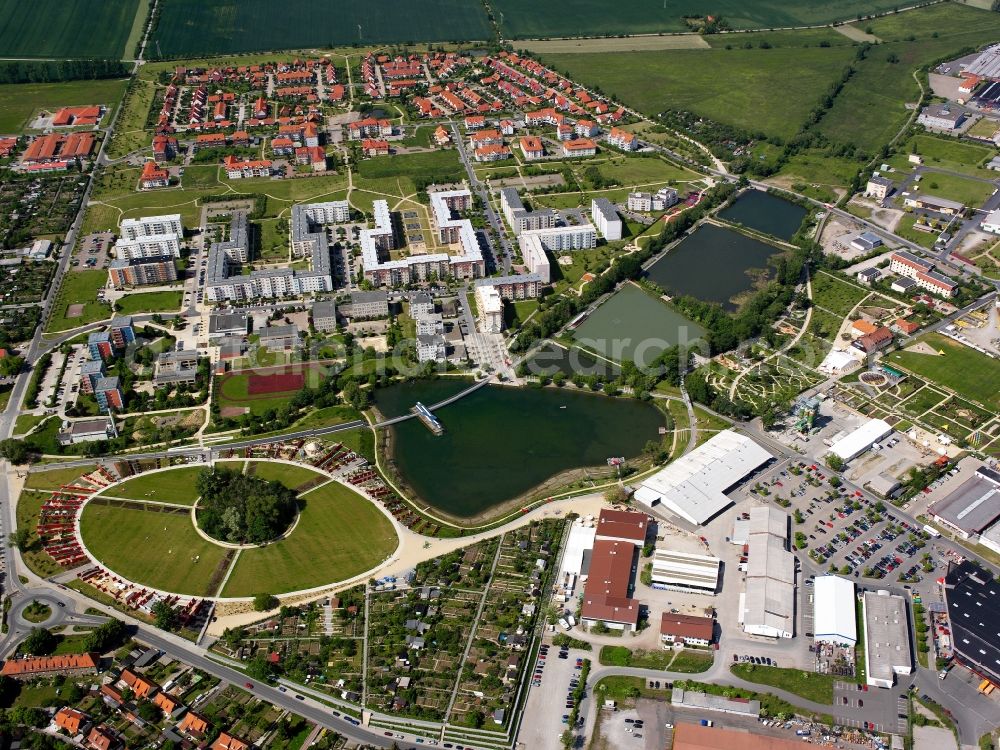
715, 264
634, 325
766, 213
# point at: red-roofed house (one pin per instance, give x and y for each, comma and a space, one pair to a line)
193, 723
623, 139
76, 116
492, 152
237, 169
370, 128
687, 629
164, 147
226, 741
153, 177
606, 594
139, 685
70, 720
531, 147
906, 327
313, 156
374, 147
68, 664
623, 526
166, 703
875, 341
579, 147
474, 122
101, 738
441, 136
282, 146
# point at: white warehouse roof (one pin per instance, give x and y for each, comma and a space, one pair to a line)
834, 610
857, 442
685, 570
694, 485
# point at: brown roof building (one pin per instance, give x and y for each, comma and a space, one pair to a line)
166, 703
23, 669
101, 738
139, 685
623, 525
686, 629
226, 741
193, 723
875, 341
70, 720
606, 596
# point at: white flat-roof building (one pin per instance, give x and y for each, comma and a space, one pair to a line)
694, 486
685, 571
149, 226
535, 259
490, 308
606, 218
156, 246
767, 607
555, 239
860, 440
991, 223
887, 638
840, 362
834, 611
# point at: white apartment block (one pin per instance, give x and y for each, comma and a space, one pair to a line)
519, 218
606, 218
490, 306
150, 226
431, 348
535, 259
159, 246
556, 239
467, 264
661, 200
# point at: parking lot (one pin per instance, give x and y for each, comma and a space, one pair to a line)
862, 707
547, 707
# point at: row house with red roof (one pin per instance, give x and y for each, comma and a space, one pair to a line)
374, 147
246, 168
623, 139
57, 148
369, 128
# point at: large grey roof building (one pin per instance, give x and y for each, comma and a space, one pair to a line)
972, 506
887, 638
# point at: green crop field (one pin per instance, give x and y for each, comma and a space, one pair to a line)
767, 90
339, 535
66, 28
150, 302
959, 368
19, 101
871, 108
162, 550
194, 27
523, 19
174, 486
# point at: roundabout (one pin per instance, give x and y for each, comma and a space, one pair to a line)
145, 530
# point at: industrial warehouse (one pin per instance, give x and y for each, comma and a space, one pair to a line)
973, 598
887, 638
767, 606
834, 611
694, 486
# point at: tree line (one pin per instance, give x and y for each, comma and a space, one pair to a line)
54, 71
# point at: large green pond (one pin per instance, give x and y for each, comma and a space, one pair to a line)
714, 264
500, 442
766, 213
636, 326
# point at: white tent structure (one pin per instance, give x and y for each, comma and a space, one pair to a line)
834, 606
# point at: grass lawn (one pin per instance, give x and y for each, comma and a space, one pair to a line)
150, 302
339, 535
947, 153
361, 441
161, 550
288, 475
961, 369
25, 422
443, 166
79, 288
690, 80
231, 391
810, 685
968, 192
19, 101
53, 479
687, 660
836, 295
175, 486
905, 229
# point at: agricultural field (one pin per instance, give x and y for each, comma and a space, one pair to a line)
340, 534
175, 486
834, 295
19, 101
157, 549
198, 27
689, 79
57, 28
524, 19
870, 109
957, 367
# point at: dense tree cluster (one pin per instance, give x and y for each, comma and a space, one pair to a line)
243, 509
52, 71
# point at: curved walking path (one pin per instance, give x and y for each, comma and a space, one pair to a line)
786, 347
